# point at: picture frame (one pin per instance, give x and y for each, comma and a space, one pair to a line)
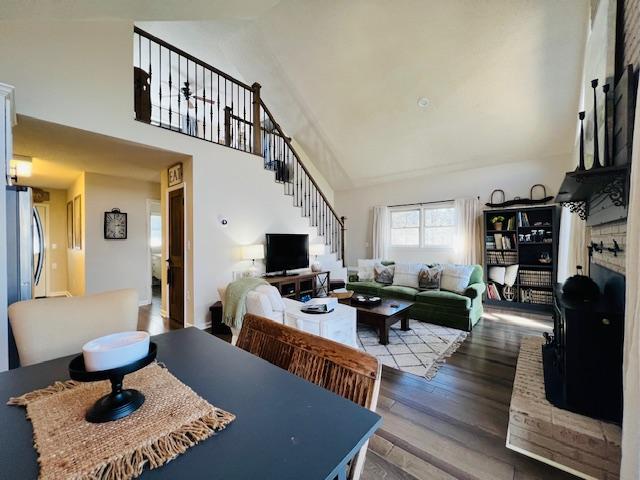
70, 224
77, 222
175, 174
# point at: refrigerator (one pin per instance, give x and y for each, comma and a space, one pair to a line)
25, 251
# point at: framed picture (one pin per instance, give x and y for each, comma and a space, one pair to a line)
77, 222
175, 174
69, 224
115, 225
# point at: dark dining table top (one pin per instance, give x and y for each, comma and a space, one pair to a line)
285, 427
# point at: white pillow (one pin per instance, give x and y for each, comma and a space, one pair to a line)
273, 295
510, 276
407, 274
455, 278
496, 274
365, 269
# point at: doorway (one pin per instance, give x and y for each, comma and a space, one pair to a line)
154, 222
40, 231
175, 260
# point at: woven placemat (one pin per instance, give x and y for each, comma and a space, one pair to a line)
172, 419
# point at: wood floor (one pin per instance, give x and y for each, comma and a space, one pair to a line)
454, 426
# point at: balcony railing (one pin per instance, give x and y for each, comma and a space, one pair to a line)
176, 91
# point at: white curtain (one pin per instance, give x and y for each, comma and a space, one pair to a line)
631, 366
572, 250
381, 232
468, 240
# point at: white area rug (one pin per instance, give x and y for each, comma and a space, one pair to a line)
421, 350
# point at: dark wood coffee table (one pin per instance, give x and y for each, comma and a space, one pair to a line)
382, 316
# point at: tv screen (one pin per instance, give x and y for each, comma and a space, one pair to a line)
287, 251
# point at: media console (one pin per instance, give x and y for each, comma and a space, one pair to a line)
315, 284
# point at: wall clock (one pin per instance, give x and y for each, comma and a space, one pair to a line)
115, 225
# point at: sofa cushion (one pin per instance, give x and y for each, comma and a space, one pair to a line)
365, 269
430, 277
406, 274
455, 278
397, 291
371, 288
443, 298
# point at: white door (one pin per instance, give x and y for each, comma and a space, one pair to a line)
40, 250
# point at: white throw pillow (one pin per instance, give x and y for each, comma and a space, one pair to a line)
455, 278
365, 269
511, 274
407, 274
273, 295
496, 274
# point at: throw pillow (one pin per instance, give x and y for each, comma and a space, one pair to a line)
496, 274
430, 278
406, 274
455, 278
365, 269
383, 274
511, 274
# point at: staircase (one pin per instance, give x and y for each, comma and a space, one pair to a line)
178, 92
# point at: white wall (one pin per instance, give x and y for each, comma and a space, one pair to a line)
80, 74
515, 179
114, 264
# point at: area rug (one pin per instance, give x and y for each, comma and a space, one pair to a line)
421, 350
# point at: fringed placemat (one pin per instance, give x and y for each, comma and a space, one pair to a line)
172, 419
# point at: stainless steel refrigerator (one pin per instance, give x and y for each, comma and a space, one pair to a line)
25, 251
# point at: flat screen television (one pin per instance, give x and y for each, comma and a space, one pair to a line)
286, 251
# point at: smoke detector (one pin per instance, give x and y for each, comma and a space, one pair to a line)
423, 102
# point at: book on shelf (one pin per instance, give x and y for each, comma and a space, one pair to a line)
511, 223
498, 240
523, 219
492, 292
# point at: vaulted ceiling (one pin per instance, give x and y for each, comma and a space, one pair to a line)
502, 79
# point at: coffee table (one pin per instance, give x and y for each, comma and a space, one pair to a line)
382, 316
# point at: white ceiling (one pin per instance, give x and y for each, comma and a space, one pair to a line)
60, 153
344, 78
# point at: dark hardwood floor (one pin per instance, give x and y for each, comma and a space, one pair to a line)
150, 318
454, 426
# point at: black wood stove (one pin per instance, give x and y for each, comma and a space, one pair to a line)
583, 359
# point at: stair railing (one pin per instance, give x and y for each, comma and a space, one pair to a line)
179, 92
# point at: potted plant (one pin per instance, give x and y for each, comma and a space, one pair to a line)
497, 222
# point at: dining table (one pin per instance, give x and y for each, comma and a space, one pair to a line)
285, 426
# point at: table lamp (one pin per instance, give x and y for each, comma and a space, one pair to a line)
316, 249
253, 253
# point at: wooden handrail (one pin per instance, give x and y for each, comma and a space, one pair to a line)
181, 52
293, 150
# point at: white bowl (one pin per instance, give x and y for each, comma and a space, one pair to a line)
115, 350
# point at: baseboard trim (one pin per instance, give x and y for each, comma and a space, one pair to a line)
144, 302
163, 312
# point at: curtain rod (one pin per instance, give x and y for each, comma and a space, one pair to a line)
423, 203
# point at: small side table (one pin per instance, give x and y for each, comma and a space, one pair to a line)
217, 327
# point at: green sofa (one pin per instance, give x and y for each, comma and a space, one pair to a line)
440, 307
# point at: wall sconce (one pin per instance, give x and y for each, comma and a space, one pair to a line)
20, 166
253, 253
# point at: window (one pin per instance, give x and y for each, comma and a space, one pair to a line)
405, 228
430, 226
155, 231
439, 227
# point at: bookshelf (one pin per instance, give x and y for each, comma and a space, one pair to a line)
528, 239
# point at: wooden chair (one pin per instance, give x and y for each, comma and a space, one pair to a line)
345, 371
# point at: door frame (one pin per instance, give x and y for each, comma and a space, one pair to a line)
47, 247
150, 203
185, 249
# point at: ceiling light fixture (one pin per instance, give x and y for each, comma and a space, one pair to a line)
423, 102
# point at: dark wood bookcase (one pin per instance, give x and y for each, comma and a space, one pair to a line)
532, 234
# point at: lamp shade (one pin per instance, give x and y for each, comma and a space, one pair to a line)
316, 249
253, 252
